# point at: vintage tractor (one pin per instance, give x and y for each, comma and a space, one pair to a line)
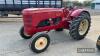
98, 43
45, 19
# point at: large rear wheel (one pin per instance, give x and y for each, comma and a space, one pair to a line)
80, 26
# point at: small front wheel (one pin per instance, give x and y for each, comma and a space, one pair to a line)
98, 43
23, 34
40, 43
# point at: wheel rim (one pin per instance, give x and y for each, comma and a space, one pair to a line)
41, 43
83, 27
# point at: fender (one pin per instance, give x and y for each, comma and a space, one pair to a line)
77, 12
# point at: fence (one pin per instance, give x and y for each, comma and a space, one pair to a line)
18, 5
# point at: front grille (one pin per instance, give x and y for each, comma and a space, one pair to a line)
27, 20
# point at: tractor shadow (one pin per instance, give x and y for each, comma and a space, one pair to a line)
64, 37
59, 36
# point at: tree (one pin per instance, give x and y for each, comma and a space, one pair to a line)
87, 3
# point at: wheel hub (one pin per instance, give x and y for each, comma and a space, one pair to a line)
83, 26
41, 43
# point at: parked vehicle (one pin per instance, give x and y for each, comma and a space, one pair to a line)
98, 43
42, 20
16, 6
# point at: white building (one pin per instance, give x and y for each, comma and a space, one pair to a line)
95, 4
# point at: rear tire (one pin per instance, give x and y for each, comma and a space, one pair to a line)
23, 35
40, 43
98, 43
80, 26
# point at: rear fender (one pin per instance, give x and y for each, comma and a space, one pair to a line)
77, 12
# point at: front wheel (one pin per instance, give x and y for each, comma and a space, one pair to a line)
80, 26
40, 43
98, 43
23, 34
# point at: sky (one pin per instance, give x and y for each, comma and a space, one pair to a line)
83, 0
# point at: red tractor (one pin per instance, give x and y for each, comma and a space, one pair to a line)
42, 20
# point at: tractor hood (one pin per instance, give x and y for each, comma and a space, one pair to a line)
40, 10
38, 14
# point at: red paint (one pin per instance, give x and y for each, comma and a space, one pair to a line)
33, 16
77, 12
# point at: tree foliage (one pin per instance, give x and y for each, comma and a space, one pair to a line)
77, 3
87, 3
